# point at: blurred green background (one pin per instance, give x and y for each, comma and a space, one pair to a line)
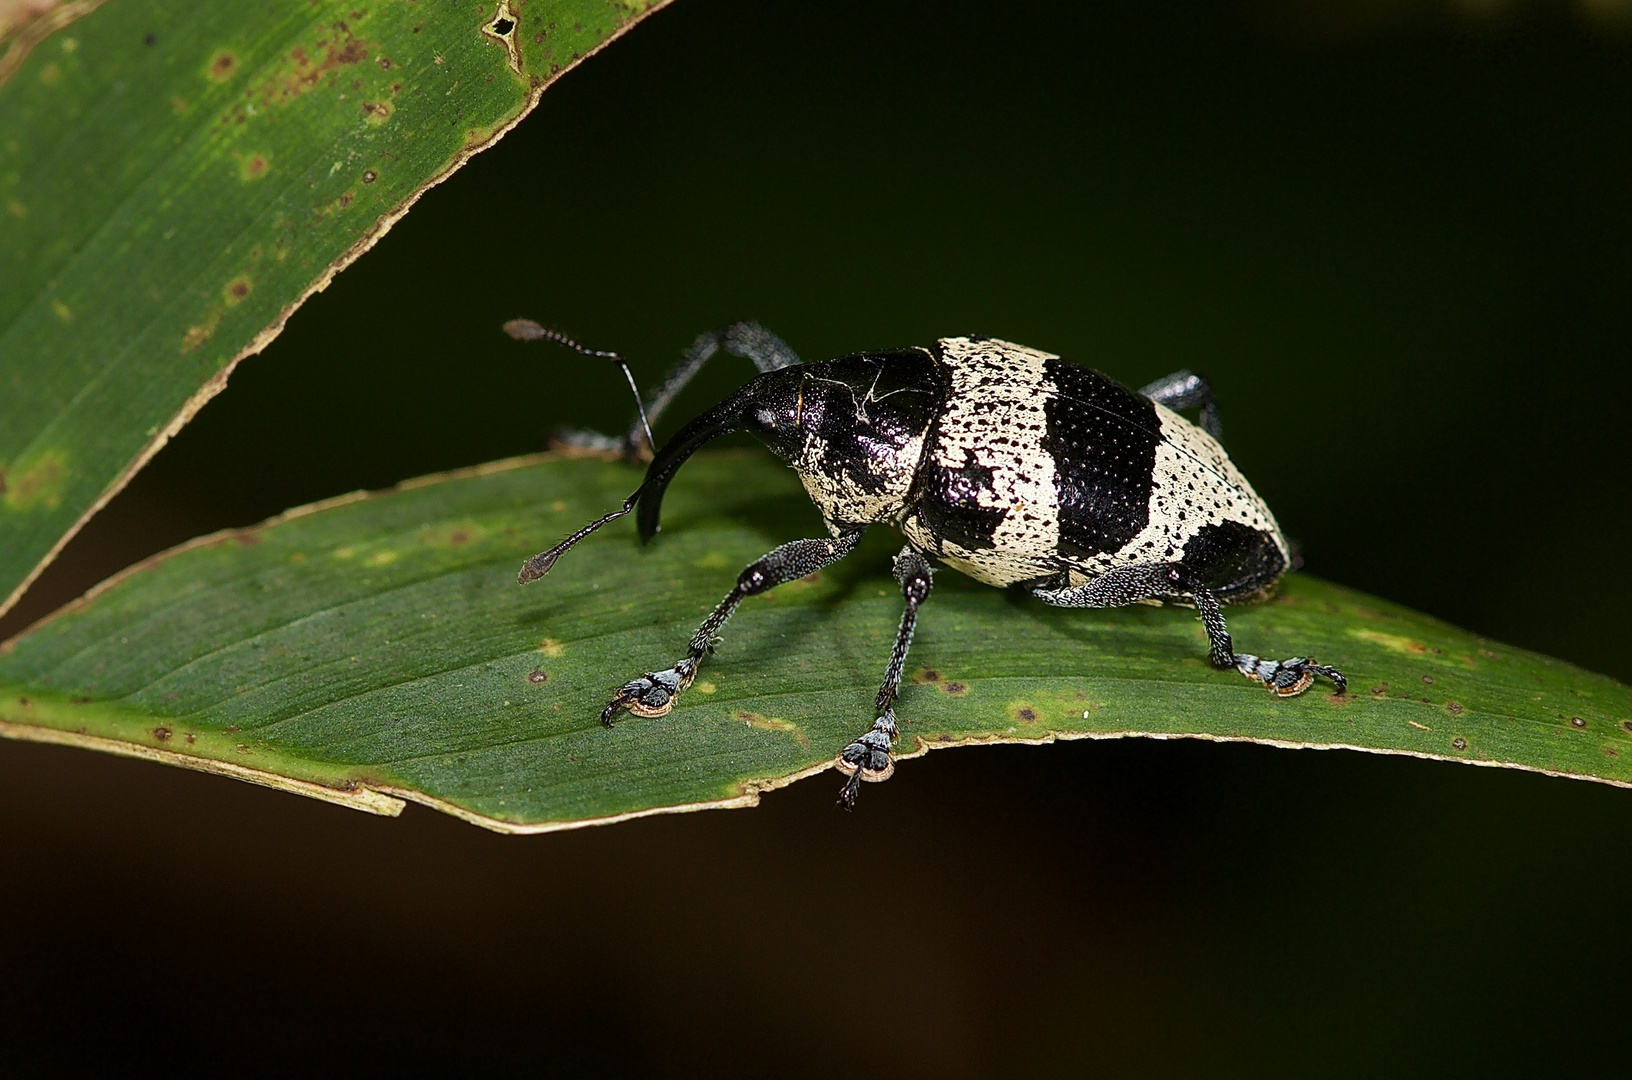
1397, 236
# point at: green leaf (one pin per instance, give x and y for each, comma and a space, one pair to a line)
378, 647
177, 176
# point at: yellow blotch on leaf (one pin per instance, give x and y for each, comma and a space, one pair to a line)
1396, 642
773, 723
35, 483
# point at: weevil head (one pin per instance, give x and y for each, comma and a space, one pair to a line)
853, 429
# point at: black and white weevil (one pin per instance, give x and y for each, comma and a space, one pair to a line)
1009, 464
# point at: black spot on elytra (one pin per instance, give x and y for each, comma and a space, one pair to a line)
949, 502
1232, 559
1103, 439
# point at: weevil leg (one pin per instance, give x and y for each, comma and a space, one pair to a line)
653, 693
1287, 678
868, 755
1130, 584
1187, 390
1116, 588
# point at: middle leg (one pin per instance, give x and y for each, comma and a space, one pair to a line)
868, 756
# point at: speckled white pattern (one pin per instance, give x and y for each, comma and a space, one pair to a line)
994, 417
841, 500
995, 413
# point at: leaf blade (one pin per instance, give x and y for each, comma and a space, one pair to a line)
379, 644
177, 177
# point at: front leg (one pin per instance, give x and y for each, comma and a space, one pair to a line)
653, 694
868, 756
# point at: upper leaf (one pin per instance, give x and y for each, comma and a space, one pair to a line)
378, 647
176, 176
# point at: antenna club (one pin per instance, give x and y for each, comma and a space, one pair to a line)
537, 566
525, 330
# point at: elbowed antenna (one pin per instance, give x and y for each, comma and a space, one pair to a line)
725, 418
539, 565
528, 330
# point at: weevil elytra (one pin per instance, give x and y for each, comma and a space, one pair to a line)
1008, 464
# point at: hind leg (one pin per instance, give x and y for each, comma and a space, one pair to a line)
1128, 585
1186, 390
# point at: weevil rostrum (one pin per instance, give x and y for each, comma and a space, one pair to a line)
1008, 464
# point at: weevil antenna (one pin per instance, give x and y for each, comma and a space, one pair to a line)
539, 565
528, 330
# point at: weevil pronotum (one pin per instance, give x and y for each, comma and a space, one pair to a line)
1008, 464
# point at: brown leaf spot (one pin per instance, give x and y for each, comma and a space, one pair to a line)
1025, 713
232, 729
1380, 688
1576, 721
1610, 751
955, 689
550, 647
369, 176
927, 675
191, 738
538, 676
1454, 708
1626, 725
1459, 743
161, 733
1429, 679
253, 166
238, 288
222, 65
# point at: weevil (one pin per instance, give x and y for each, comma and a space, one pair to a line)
1009, 464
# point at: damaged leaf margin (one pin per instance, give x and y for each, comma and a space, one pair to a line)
540, 67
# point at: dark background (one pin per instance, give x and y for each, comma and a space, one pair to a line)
1398, 237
